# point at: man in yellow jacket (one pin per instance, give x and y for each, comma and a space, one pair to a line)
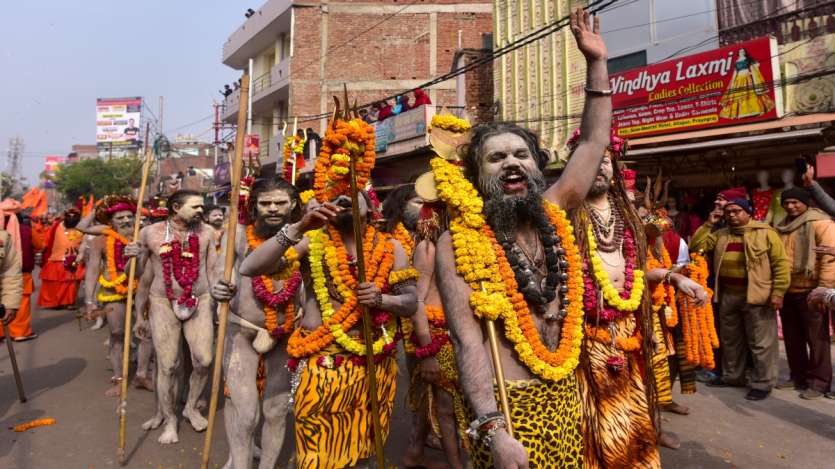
11, 280
806, 329
752, 275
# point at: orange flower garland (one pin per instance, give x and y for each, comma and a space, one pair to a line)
270, 313
353, 139
117, 281
401, 234
697, 321
663, 295
571, 327
379, 257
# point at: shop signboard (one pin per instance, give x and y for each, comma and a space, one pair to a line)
727, 86
118, 123
252, 146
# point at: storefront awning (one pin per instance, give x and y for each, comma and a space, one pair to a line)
724, 142
715, 132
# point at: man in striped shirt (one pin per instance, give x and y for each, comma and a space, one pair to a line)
752, 275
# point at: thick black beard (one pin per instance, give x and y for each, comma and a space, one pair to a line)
504, 214
264, 230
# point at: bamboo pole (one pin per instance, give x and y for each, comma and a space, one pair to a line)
123, 395
371, 368
229, 262
501, 385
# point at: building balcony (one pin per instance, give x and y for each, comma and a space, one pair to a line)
258, 33
267, 90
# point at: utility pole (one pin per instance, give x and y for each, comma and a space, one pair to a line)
16, 147
216, 142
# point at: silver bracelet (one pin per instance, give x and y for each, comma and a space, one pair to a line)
594, 92
284, 240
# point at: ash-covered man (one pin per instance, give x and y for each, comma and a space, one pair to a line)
106, 269
331, 398
215, 217
181, 253
263, 314
528, 244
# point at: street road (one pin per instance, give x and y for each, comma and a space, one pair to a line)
65, 373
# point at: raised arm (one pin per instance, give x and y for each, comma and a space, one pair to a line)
91, 276
88, 225
574, 183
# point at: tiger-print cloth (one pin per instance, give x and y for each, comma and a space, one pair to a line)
333, 413
617, 427
546, 420
661, 365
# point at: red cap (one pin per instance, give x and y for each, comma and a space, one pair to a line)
734, 193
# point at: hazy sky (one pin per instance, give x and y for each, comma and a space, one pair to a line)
58, 56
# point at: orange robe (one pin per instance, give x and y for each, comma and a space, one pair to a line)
59, 286
21, 326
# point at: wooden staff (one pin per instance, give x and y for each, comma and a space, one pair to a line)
366, 322
123, 395
497, 367
13, 358
229, 263
293, 174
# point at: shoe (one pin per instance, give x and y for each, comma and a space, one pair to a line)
718, 383
757, 395
25, 338
789, 384
811, 394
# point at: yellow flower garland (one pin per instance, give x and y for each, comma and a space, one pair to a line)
610, 293
306, 196
449, 122
492, 298
105, 298
321, 247
397, 276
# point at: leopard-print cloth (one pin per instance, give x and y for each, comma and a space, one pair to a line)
546, 420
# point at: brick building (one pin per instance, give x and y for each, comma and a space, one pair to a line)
303, 53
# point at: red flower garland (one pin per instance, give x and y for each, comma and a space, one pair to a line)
432, 348
183, 266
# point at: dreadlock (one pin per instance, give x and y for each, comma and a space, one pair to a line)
643, 318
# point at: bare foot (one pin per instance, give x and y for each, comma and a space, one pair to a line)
113, 391
153, 423
169, 434
198, 422
201, 404
143, 383
669, 440
228, 464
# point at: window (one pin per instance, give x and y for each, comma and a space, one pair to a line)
627, 62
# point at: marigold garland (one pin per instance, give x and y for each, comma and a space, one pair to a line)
450, 123
305, 196
664, 294
343, 141
34, 424
402, 235
293, 152
610, 293
265, 292
379, 259
698, 327
479, 256
118, 281
398, 276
